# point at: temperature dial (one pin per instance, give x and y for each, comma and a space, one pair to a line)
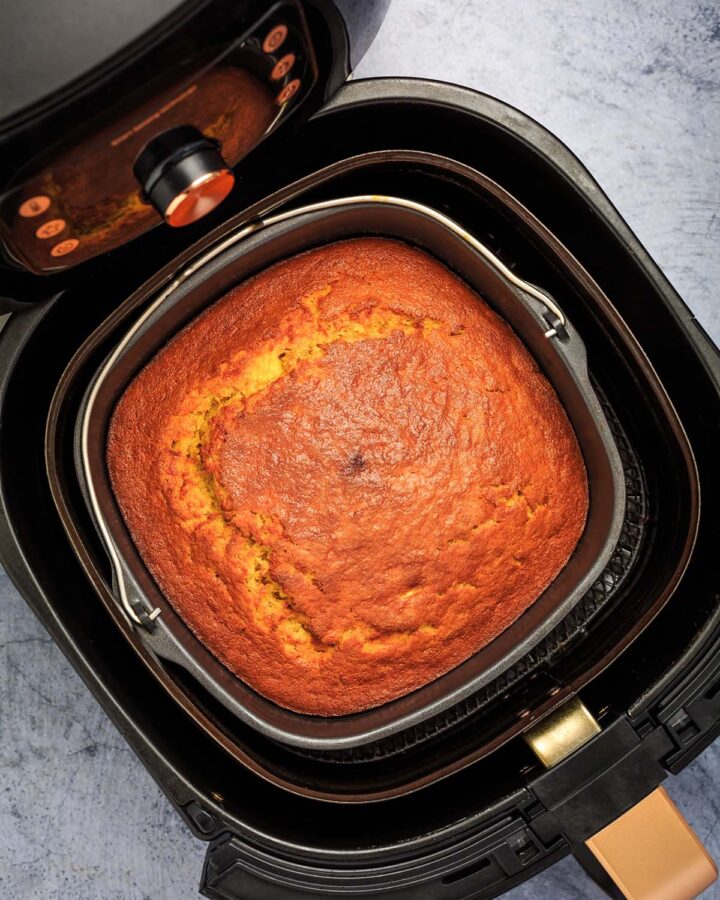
183, 175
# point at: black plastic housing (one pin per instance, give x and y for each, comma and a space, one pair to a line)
491, 824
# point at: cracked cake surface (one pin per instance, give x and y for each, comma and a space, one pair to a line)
347, 476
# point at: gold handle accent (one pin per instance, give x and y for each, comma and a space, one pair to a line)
562, 732
650, 852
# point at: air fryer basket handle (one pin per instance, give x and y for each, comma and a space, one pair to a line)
649, 852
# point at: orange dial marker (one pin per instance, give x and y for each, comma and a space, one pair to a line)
64, 247
34, 206
283, 66
50, 229
275, 38
290, 89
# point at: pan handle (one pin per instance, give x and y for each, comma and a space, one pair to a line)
649, 852
652, 852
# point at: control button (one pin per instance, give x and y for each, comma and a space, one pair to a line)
50, 229
283, 66
35, 206
64, 247
290, 89
275, 38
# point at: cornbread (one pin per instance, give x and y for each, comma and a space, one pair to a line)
347, 476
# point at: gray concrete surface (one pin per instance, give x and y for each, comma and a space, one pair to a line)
633, 87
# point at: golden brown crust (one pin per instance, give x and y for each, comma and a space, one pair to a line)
347, 476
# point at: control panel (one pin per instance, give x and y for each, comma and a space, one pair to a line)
86, 199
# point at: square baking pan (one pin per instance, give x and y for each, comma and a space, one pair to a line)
537, 320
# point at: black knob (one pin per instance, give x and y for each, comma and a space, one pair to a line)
183, 175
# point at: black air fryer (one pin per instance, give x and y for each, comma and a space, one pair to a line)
151, 164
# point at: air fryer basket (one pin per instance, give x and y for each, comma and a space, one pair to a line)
644, 572
553, 341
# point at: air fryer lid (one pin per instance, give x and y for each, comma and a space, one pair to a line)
68, 44
535, 316
159, 130
171, 143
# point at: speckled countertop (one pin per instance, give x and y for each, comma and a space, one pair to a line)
633, 87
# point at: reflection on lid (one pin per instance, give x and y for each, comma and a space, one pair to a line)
91, 189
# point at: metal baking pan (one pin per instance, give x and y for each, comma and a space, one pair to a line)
535, 317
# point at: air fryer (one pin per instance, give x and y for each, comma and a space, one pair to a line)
216, 139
